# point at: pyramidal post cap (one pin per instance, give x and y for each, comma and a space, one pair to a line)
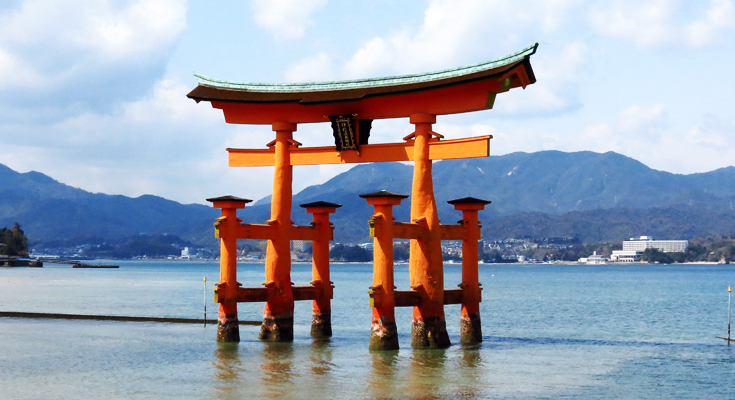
228, 201
384, 193
469, 200
469, 204
229, 198
321, 204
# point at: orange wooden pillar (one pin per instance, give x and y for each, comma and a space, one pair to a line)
321, 321
426, 265
470, 327
383, 331
278, 313
228, 329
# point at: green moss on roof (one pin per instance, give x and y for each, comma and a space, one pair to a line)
367, 83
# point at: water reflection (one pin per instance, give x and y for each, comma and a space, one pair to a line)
471, 356
227, 366
383, 382
320, 357
427, 377
278, 369
472, 382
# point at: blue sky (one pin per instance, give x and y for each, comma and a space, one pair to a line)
93, 93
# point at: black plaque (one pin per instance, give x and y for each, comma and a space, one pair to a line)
343, 129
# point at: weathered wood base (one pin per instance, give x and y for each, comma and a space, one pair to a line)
431, 332
321, 325
470, 329
384, 334
277, 329
228, 330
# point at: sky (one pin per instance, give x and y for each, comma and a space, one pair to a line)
93, 93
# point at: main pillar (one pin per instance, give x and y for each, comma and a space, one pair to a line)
383, 331
470, 326
321, 321
278, 314
426, 264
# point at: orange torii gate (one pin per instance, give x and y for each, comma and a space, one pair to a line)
351, 106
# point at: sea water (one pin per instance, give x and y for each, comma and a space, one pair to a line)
549, 332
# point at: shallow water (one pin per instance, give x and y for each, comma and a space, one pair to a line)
550, 331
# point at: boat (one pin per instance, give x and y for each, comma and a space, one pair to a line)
80, 265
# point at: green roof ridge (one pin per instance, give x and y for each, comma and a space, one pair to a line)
369, 82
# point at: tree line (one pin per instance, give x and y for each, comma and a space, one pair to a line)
13, 242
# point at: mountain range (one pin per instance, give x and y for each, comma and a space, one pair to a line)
587, 195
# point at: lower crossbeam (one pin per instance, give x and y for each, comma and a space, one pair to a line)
261, 294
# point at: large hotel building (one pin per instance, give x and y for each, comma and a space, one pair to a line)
647, 242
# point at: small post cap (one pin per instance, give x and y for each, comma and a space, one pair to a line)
469, 200
469, 203
383, 193
228, 201
319, 207
321, 204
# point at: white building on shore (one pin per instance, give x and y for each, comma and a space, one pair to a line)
647, 242
625, 256
593, 259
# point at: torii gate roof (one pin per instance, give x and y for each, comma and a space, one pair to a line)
456, 90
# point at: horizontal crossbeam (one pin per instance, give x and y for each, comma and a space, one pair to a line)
453, 296
254, 231
260, 294
304, 233
452, 232
412, 298
267, 232
438, 150
407, 230
407, 298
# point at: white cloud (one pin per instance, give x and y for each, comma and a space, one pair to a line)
644, 134
635, 133
664, 22
719, 17
285, 19
713, 134
85, 54
640, 119
465, 31
315, 68
456, 31
639, 132
557, 88
373, 56
164, 144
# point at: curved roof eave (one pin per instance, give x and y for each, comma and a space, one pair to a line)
284, 88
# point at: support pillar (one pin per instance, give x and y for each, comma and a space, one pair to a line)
228, 329
383, 331
470, 326
426, 265
321, 321
278, 314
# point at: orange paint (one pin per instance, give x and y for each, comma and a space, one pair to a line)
321, 306
470, 329
383, 332
381, 152
278, 313
227, 326
228, 253
470, 254
425, 264
472, 96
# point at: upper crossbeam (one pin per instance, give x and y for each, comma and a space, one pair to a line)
382, 152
